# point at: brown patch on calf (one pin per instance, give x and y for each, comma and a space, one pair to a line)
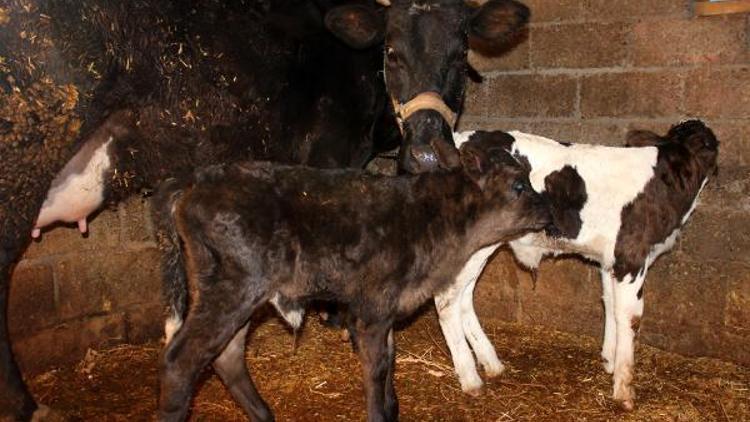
565, 190
687, 156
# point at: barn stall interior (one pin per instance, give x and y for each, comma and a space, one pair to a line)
86, 317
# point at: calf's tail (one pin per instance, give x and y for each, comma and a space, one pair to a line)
174, 278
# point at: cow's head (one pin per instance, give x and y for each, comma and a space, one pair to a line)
426, 44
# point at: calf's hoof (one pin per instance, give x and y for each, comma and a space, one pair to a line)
494, 370
471, 386
608, 365
625, 395
46, 414
473, 392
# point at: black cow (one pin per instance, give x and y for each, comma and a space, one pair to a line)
425, 67
256, 233
136, 92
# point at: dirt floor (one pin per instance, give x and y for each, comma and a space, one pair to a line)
549, 376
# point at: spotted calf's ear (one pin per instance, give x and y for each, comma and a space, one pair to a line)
356, 25
642, 138
495, 25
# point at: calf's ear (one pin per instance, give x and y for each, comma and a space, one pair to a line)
356, 25
496, 24
475, 164
642, 138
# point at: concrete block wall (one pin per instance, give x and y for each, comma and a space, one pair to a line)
69, 293
589, 71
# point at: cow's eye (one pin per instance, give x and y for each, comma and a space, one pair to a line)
519, 186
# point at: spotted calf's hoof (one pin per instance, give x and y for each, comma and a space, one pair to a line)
625, 395
471, 385
608, 364
494, 369
473, 391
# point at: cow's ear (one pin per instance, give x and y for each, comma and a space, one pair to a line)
642, 138
496, 25
356, 25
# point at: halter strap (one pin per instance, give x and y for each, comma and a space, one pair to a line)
425, 101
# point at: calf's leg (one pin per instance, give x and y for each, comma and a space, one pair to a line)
391, 401
231, 367
372, 346
482, 346
448, 305
610, 328
628, 312
207, 330
458, 322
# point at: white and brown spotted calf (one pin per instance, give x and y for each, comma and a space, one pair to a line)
620, 207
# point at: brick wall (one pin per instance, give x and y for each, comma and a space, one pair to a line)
589, 71
69, 293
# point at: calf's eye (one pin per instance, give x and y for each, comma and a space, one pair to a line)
519, 186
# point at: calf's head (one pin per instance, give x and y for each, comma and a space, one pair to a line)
425, 64
511, 206
696, 143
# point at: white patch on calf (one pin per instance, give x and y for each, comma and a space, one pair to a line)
527, 251
171, 326
460, 137
293, 317
614, 177
78, 190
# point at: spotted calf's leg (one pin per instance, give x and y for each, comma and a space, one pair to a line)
448, 305
610, 328
483, 348
231, 368
628, 310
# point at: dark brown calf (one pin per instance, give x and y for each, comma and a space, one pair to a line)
254, 233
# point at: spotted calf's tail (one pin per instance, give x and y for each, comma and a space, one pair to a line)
174, 275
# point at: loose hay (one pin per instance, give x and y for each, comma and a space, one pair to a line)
549, 376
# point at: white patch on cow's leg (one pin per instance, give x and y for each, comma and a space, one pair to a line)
610, 330
628, 312
483, 349
449, 312
173, 323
